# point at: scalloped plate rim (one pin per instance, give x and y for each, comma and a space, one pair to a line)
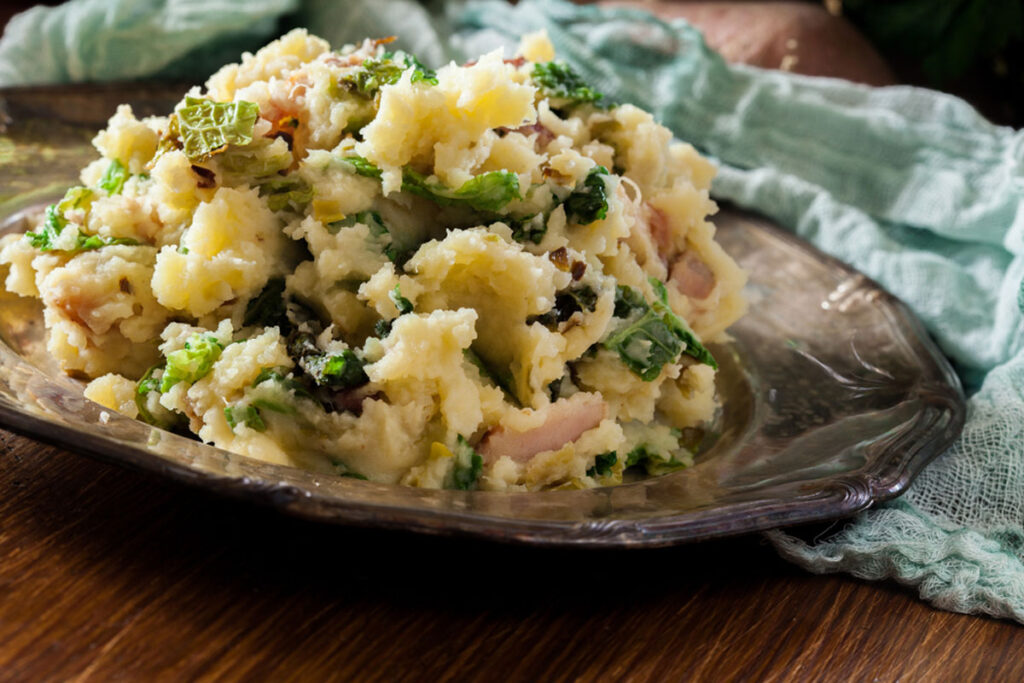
825, 498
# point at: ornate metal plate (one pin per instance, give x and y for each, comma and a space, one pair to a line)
835, 398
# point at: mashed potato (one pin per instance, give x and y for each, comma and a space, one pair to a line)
486, 276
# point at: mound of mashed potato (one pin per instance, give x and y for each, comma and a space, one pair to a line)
486, 276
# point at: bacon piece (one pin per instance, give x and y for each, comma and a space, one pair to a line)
564, 421
347, 60
207, 178
560, 257
544, 136
692, 276
286, 121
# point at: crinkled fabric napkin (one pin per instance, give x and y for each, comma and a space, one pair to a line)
910, 186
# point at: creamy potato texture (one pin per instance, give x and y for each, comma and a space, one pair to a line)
486, 276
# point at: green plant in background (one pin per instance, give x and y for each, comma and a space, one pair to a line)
947, 38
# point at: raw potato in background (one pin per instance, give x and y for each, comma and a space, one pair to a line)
800, 37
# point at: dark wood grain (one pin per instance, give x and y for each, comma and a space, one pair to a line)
111, 574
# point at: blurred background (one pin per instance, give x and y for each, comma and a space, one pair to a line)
971, 48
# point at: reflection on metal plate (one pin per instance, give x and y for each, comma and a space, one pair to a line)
834, 397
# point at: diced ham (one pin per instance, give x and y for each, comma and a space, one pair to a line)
661, 231
687, 271
691, 276
565, 420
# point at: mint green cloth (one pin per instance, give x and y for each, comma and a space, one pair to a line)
101, 40
910, 186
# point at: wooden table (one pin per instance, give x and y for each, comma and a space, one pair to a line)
110, 574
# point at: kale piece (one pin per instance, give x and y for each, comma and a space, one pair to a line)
333, 370
588, 203
192, 362
286, 193
375, 73
371, 219
651, 335
401, 303
489, 191
145, 386
248, 415
54, 224
268, 308
114, 177
567, 302
207, 127
603, 464
560, 81
362, 166
466, 470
